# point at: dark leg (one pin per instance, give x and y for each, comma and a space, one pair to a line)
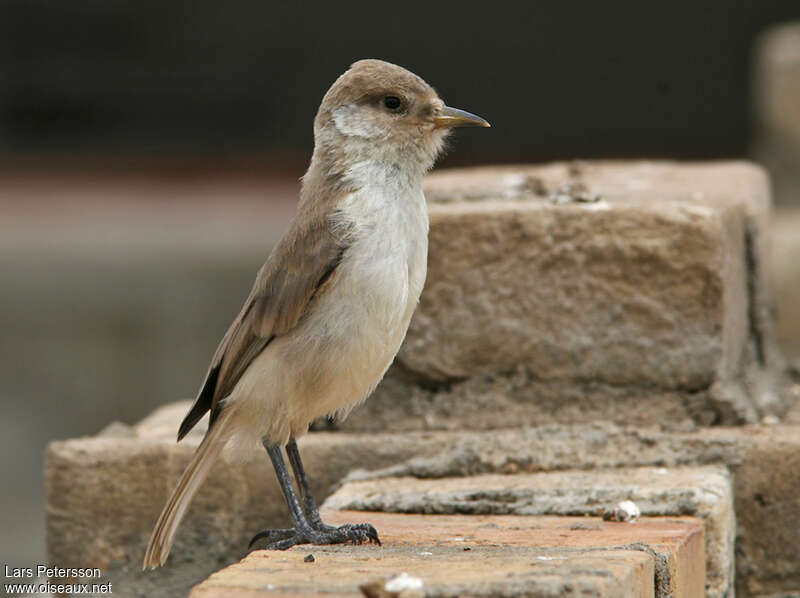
277, 537
303, 532
309, 505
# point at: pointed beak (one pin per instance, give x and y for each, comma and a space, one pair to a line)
453, 117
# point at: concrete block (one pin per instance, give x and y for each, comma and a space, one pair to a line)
767, 490
764, 461
561, 293
485, 556
701, 492
104, 493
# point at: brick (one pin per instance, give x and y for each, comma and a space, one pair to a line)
764, 460
767, 504
701, 492
648, 304
104, 493
507, 556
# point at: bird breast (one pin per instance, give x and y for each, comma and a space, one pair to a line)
361, 321
383, 270
337, 355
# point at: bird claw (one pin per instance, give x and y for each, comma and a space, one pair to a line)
354, 533
359, 533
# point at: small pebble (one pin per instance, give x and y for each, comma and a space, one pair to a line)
627, 510
402, 583
309, 558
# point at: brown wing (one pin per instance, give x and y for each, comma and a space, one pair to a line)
298, 266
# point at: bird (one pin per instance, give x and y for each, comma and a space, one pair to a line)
331, 305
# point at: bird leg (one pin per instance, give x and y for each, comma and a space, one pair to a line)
309, 504
305, 532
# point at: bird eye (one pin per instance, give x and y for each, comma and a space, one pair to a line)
393, 103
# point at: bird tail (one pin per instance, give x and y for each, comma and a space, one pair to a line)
191, 479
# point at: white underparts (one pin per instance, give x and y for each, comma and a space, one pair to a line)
339, 352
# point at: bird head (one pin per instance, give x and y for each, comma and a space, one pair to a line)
380, 111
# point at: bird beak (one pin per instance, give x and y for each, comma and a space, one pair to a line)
453, 117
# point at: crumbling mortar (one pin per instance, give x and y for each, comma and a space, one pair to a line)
753, 276
661, 576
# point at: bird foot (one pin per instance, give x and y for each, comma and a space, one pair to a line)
282, 539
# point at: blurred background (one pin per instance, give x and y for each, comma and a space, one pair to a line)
150, 155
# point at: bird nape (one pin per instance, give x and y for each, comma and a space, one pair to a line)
331, 305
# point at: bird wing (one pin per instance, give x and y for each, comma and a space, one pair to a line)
295, 272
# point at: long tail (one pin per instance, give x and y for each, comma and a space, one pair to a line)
194, 475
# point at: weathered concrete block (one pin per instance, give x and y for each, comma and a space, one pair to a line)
701, 492
767, 505
764, 460
485, 556
104, 495
624, 291
777, 99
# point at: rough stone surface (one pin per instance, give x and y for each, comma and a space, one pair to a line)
777, 95
764, 459
767, 489
104, 493
792, 416
701, 492
486, 556
565, 293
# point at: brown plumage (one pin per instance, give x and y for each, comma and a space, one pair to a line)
289, 278
299, 265
331, 305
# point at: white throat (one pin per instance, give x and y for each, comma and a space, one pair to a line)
361, 137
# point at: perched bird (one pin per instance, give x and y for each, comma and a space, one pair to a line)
331, 305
